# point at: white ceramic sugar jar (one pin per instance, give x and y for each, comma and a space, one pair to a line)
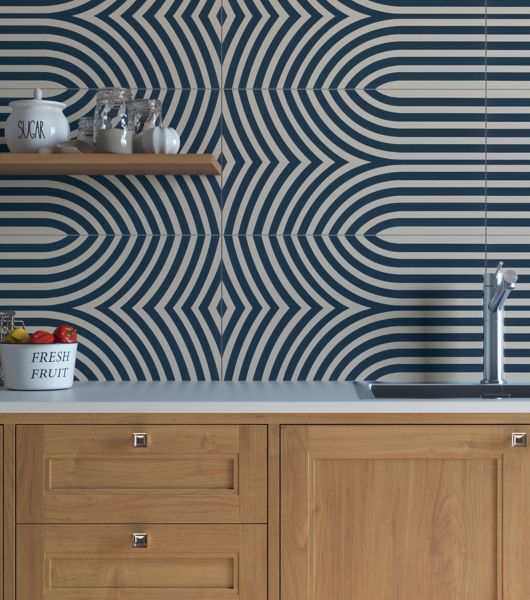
35, 124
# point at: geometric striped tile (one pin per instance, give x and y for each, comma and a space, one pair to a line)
352, 203
123, 205
508, 199
344, 308
508, 140
508, 126
363, 44
508, 44
345, 162
146, 308
148, 43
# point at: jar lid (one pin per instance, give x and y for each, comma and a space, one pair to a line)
153, 103
114, 93
36, 101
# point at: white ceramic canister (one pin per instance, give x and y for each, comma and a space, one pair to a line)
161, 140
35, 124
38, 366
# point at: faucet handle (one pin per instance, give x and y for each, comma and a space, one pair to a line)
510, 278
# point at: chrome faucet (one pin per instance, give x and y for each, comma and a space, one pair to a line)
497, 288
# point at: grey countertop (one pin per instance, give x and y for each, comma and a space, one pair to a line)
234, 397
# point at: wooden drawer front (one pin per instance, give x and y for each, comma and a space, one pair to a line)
186, 474
181, 562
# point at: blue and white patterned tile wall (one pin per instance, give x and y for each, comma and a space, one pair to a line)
376, 158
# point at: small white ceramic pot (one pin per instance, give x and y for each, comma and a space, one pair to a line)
35, 124
38, 366
161, 140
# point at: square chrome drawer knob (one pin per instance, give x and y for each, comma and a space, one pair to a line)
139, 440
139, 540
519, 439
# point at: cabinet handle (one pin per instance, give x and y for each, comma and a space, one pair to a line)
139, 540
519, 439
139, 440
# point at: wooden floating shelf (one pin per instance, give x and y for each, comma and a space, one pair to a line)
108, 164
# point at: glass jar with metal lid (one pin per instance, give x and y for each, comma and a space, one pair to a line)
114, 117
147, 115
85, 130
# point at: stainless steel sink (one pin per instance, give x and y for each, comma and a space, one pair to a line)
411, 391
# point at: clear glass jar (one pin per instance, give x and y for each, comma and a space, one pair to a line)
147, 115
114, 118
85, 130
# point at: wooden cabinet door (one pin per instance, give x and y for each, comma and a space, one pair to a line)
404, 512
2, 541
174, 474
179, 562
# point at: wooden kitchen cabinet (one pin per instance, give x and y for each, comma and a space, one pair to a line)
178, 562
166, 474
265, 506
386, 512
1, 513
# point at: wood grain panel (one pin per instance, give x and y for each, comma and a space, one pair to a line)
395, 441
392, 512
253, 473
170, 571
2, 546
111, 439
295, 514
186, 474
273, 519
108, 164
425, 527
8, 467
181, 562
516, 525
156, 473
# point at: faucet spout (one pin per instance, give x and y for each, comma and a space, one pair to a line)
497, 288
